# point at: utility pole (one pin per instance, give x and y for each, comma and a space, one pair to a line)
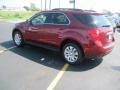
74, 4
41, 5
50, 5
45, 4
59, 3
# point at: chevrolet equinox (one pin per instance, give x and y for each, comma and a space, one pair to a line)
76, 33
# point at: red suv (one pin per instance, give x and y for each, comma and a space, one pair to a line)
77, 34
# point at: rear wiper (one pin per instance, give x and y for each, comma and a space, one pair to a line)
106, 26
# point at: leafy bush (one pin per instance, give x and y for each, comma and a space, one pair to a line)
16, 14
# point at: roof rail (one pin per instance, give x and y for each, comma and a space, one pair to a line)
67, 9
90, 10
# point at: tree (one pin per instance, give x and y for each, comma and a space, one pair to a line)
4, 7
33, 7
107, 12
26, 8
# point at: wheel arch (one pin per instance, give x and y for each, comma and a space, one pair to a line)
72, 41
14, 30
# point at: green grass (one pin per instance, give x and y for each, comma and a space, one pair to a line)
14, 15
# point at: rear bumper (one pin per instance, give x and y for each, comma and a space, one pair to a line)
96, 51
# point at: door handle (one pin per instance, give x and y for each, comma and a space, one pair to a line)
33, 29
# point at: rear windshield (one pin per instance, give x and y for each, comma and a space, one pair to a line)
93, 20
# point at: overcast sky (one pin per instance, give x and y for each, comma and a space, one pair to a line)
112, 5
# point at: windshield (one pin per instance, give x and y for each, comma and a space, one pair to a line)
93, 20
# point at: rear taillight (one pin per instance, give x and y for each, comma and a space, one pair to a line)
94, 33
94, 36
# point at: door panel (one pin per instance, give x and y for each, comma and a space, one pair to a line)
51, 33
46, 28
33, 33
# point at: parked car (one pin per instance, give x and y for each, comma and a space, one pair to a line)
112, 21
117, 21
77, 34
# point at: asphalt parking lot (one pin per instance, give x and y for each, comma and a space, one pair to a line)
33, 68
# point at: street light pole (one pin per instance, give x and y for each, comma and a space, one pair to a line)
72, 2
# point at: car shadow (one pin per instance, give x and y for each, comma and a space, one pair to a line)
49, 58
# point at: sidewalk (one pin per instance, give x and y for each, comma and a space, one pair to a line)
16, 21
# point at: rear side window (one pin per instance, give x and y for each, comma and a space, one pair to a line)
93, 20
59, 18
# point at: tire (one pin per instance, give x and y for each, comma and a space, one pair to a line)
18, 39
72, 53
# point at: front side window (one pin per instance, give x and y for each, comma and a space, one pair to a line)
41, 19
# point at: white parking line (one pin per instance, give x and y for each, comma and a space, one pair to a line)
1, 51
6, 49
11, 47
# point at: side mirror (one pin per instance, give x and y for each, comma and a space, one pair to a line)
28, 21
